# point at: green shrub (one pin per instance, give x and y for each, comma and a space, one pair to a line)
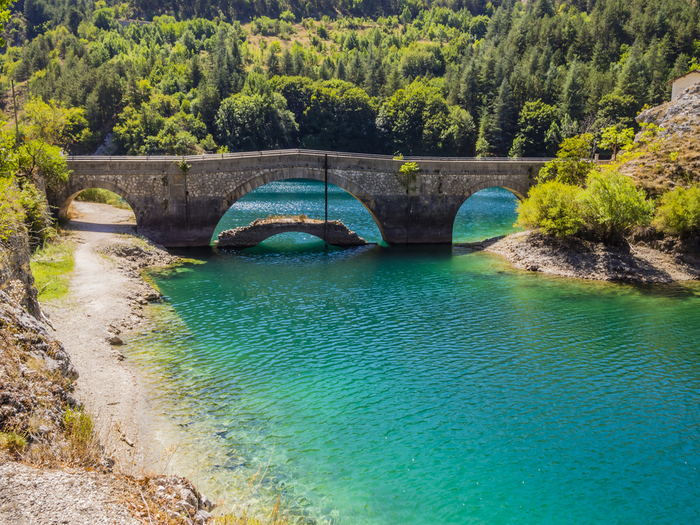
573, 162
611, 204
679, 211
11, 211
103, 197
83, 445
37, 216
553, 208
12, 442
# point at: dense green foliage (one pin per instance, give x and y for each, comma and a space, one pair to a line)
611, 204
552, 207
572, 163
678, 212
573, 194
459, 78
11, 210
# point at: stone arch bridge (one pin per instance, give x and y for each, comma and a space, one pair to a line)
177, 207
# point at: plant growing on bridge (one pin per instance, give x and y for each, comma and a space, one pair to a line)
183, 165
409, 168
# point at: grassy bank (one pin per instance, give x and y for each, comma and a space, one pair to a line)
101, 196
51, 267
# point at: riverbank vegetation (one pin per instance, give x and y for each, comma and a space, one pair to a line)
575, 196
450, 78
51, 267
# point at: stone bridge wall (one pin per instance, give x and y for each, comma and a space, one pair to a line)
177, 208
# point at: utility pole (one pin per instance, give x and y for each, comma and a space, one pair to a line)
325, 179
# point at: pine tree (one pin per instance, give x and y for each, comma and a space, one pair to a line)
573, 98
504, 121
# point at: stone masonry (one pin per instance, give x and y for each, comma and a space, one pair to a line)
333, 232
177, 207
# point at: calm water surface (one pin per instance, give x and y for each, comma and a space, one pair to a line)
388, 385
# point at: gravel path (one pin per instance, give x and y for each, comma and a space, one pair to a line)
30, 496
99, 306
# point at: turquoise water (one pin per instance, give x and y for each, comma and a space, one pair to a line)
394, 385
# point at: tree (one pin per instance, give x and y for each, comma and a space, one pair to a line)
53, 123
614, 138
255, 122
573, 96
573, 162
504, 121
415, 119
536, 119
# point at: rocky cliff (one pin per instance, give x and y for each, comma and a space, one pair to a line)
675, 159
16, 278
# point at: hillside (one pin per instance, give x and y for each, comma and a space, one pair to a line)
488, 79
675, 160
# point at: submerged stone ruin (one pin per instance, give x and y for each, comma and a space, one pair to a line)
261, 229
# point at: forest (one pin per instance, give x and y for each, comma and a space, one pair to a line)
451, 78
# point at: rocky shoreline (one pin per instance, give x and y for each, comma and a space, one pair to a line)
78, 366
645, 261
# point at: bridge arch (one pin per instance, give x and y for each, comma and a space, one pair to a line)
516, 188
295, 173
490, 212
75, 190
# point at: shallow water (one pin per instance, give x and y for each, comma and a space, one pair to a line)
394, 385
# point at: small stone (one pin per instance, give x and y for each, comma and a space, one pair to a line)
201, 517
188, 496
115, 340
184, 506
205, 503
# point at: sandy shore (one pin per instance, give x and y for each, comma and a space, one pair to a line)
104, 302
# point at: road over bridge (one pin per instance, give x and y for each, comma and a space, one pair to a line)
182, 207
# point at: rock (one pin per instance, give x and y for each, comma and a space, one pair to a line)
201, 517
115, 340
188, 496
184, 507
205, 503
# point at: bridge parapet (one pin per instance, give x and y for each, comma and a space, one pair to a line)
179, 207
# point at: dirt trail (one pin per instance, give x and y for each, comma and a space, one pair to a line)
100, 306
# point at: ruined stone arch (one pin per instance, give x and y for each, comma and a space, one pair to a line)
281, 174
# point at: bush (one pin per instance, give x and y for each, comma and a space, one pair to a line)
37, 217
12, 442
611, 204
11, 211
83, 447
102, 196
679, 211
553, 208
